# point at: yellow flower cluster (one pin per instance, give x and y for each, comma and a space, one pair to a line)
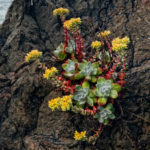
119, 44
60, 11
79, 136
96, 44
63, 103
33, 55
50, 73
54, 103
66, 103
72, 23
104, 34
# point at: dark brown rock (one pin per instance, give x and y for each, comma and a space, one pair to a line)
26, 122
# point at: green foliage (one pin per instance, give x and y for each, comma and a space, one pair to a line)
59, 52
106, 88
84, 95
69, 68
105, 113
89, 70
71, 47
93, 82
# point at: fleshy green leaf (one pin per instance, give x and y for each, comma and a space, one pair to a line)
104, 87
100, 80
81, 94
78, 88
71, 47
90, 101
111, 116
102, 100
88, 77
59, 49
109, 107
101, 120
106, 122
67, 74
116, 87
114, 94
98, 93
86, 84
99, 56
87, 69
95, 65
78, 76
93, 79
91, 93
64, 65
70, 67
61, 55
107, 56
99, 71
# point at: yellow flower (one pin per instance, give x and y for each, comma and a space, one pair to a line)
60, 11
66, 103
79, 136
96, 44
54, 103
50, 73
119, 44
72, 23
33, 55
63, 103
104, 34
126, 40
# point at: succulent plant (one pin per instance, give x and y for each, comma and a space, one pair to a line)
69, 68
61, 54
106, 88
84, 95
105, 114
71, 47
107, 56
89, 70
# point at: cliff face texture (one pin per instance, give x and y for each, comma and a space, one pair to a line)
26, 122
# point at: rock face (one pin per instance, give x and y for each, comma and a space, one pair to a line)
26, 123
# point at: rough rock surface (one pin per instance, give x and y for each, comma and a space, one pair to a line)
26, 123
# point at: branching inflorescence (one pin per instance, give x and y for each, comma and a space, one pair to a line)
92, 84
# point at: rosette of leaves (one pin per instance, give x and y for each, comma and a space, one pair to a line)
105, 114
106, 88
89, 70
104, 56
84, 95
71, 47
61, 54
69, 68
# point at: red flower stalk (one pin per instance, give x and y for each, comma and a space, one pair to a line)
114, 67
79, 46
122, 74
66, 38
109, 47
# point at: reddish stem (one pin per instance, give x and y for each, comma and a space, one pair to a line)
79, 46
109, 47
108, 75
66, 38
